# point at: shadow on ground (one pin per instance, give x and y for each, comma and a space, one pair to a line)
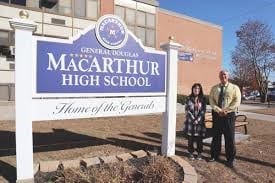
61, 139
7, 171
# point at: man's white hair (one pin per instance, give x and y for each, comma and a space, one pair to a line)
224, 71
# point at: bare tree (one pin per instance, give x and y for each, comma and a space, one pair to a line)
242, 74
254, 53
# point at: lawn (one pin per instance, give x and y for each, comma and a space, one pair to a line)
73, 139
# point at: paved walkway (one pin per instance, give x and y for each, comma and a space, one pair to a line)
263, 117
242, 108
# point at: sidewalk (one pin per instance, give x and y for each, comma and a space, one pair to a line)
242, 108
263, 117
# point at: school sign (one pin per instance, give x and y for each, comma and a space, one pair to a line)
103, 60
103, 71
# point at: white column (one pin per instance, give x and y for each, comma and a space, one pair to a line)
23, 98
169, 117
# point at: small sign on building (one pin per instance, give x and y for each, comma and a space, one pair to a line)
185, 56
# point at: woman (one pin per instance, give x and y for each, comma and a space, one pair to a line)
195, 108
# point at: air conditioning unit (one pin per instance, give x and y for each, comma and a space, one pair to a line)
12, 50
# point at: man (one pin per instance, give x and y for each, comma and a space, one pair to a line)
224, 99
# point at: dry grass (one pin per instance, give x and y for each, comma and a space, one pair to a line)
77, 139
159, 171
143, 170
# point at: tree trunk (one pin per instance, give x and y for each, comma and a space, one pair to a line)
241, 89
263, 95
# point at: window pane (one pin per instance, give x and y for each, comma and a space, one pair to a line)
19, 2
4, 1
131, 28
65, 7
130, 16
33, 3
12, 38
119, 11
150, 20
12, 66
141, 18
92, 8
54, 9
4, 38
80, 8
140, 33
150, 37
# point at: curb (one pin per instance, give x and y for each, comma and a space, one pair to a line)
190, 174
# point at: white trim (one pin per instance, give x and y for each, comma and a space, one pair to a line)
146, 8
190, 18
57, 109
136, 5
126, 3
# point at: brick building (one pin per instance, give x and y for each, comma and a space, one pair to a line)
150, 23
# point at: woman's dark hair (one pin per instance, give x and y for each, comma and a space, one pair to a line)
201, 95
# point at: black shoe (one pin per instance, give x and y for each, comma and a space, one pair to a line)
199, 157
191, 156
229, 164
213, 159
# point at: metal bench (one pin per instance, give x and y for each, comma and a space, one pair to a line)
240, 121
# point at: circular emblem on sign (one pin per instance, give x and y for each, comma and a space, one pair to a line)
111, 32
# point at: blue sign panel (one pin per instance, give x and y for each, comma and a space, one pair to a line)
105, 59
185, 56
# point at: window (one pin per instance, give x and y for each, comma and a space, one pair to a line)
150, 20
12, 38
92, 9
120, 11
150, 37
141, 23
131, 28
4, 38
79, 8
63, 7
130, 16
19, 2
32, 3
4, 1
141, 34
141, 18
86, 9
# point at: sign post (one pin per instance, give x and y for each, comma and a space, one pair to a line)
23, 96
170, 116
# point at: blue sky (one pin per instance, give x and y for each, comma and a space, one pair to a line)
230, 14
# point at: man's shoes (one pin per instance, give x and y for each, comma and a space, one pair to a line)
199, 157
213, 159
230, 164
191, 156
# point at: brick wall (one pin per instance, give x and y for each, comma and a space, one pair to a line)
206, 41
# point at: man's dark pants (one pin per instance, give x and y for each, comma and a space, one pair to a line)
224, 125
